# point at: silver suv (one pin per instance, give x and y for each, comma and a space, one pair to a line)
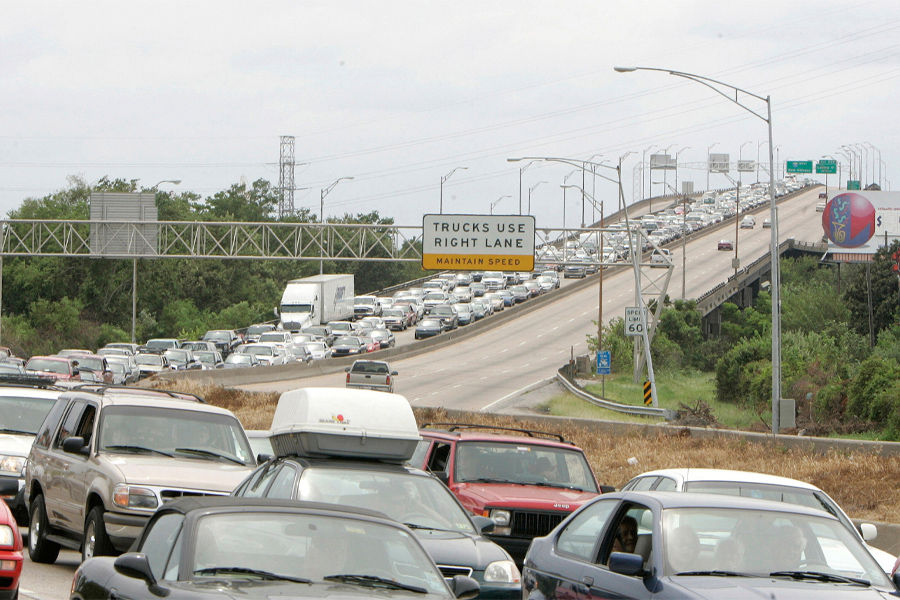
106, 458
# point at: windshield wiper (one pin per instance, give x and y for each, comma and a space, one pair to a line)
373, 581
16, 431
136, 449
244, 571
490, 480
715, 574
564, 486
427, 528
818, 576
209, 454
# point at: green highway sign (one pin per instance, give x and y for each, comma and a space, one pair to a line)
853, 184
799, 166
828, 167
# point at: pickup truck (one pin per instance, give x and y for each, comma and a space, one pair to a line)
371, 375
226, 340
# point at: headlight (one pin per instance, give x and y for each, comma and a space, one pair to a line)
128, 496
6, 537
500, 517
12, 464
502, 571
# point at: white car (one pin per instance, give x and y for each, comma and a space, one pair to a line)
757, 485
268, 353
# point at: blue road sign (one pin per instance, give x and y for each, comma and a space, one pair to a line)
603, 363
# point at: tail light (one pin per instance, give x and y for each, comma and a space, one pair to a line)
348, 377
388, 380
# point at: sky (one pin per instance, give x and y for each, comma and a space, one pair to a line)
404, 95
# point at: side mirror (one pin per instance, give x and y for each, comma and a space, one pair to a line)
869, 532
136, 566
484, 524
394, 373
74, 444
626, 564
346, 369
464, 587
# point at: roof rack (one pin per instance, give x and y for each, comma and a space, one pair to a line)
41, 381
454, 427
103, 388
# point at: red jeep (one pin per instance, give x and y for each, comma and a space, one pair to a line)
526, 481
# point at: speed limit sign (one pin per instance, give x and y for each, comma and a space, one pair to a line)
635, 320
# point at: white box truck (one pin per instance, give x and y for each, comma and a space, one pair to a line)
316, 300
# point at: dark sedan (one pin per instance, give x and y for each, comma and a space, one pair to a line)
348, 345
429, 328
224, 547
671, 545
520, 293
450, 535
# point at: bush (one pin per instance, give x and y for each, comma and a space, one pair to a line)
865, 397
741, 372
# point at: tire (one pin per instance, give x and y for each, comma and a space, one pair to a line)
39, 548
96, 542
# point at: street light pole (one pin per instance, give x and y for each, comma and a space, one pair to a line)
775, 258
324, 192
758, 146
134, 262
531, 189
443, 180
677, 154
649, 171
565, 179
497, 201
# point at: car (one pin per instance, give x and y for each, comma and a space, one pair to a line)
757, 485
748, 222
318, 350
93, 362
370, 344
767, 223
534, 288
237, 360
823, 195
340, 328
672, 545
162, 344
479, 310
261, 444
130, 348
396, 319
370, 375
366, 306
348, 345
182, 359
124, 451
11, 557
9, 368
121, 375
56, 367
508, 298
496, 300
384, 337
24, 403
446, 313
329, 468
429, 327
725, 245
254, 331
276, 337
465, 313
134, 372
463, 293
820, 207
268, 353
657, 259
196, 345
575, 270
478, 289
297, 354
258, 548
414, 308
323, 331
520, 293
152, 364
527, 485
226, 340
210, 359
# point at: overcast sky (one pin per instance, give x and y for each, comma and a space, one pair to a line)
399, 94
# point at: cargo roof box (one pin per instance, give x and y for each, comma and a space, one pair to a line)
347, 423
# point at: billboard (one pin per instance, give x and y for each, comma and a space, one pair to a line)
861, 222
665, 162
478, 242
719, 163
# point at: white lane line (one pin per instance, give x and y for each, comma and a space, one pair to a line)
518, 391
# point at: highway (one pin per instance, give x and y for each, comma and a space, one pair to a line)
483, 371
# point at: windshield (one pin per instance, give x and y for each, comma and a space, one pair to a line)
242, 359
178, 432
346, 341
161, 344
316, 331
257, 350
761, 542
313, 548
148, 359
435, 296
364, 300
420, 501
50, 366
272, 336
296, 308
89, 362
205, 357
19, 414
258, 329
217, 336
177, 355
316, 347
523, 463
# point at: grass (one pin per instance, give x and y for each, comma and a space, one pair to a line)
864, 484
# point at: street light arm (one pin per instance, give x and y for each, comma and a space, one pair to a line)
708, 82
575, 163
327, 190
447, 176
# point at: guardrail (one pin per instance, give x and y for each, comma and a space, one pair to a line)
628, 409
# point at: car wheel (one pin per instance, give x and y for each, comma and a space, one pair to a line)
39, 548
96, 542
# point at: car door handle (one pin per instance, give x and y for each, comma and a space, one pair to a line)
588, 581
